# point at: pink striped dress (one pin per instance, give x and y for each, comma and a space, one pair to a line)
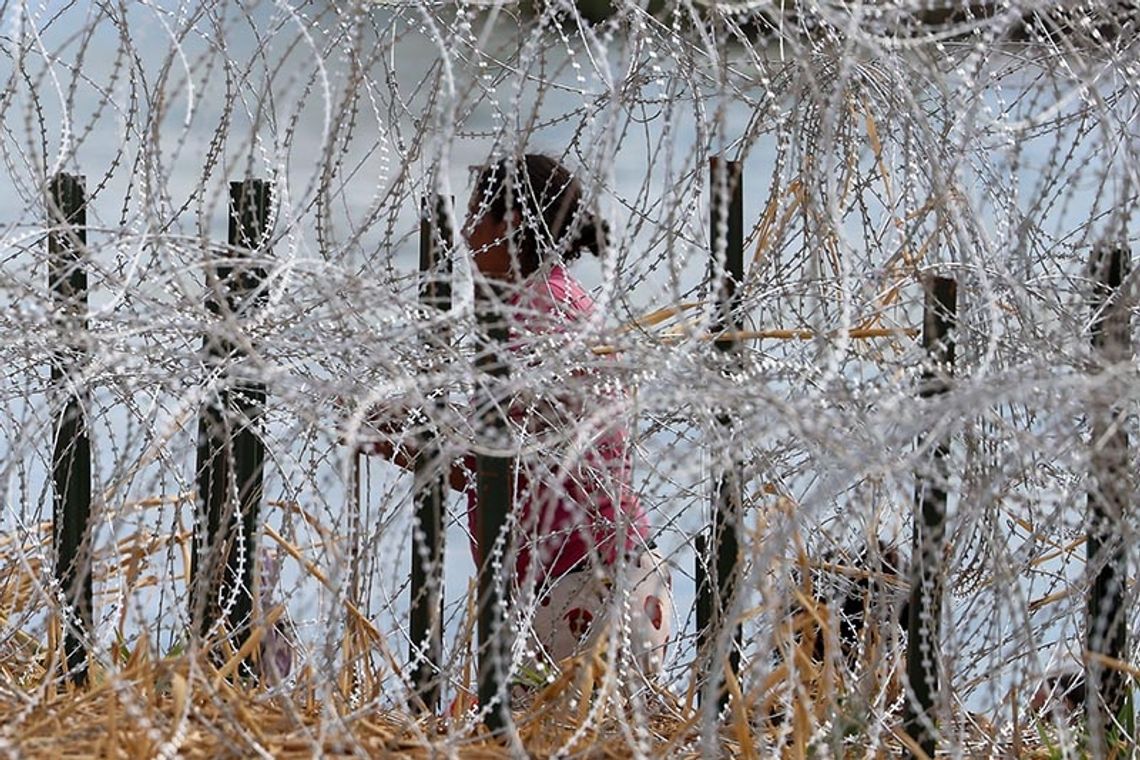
585, 500
575, 501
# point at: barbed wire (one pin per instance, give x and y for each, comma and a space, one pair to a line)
880, 144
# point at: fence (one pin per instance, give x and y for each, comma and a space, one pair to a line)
785, 417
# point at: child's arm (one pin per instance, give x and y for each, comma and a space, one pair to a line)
404, 455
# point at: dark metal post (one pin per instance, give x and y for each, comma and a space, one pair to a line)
940, 317
231, 455
494, 490
431, 474
71, 456
715, 600
1109, 695
704, 600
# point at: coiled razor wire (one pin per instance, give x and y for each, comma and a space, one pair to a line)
881, 142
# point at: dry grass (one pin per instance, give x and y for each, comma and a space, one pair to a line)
196, 704
181, 706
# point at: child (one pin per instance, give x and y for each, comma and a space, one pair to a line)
575, 510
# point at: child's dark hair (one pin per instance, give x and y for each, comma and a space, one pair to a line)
554, 217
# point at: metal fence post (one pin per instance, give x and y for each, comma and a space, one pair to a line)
940, 315
431, 475
716, 596
231, 454
1109, 700
494, 489
71, 455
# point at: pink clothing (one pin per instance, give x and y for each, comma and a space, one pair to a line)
576, 498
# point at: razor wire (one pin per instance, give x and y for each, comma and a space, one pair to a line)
880, 142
